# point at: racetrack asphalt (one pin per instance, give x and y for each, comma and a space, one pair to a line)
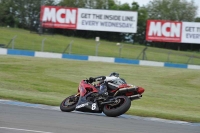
26, 119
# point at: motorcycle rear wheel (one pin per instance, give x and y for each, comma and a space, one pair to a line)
69, 104
120, 107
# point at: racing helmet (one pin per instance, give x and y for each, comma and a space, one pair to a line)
114, 74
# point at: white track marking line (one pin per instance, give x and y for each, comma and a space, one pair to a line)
17, 129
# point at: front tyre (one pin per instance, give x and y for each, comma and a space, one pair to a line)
69, 103
118, 108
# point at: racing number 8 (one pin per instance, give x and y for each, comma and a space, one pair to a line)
94, 106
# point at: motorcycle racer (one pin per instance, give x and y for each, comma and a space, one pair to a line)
103, 84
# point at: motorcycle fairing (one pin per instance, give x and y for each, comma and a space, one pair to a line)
87, 106
85, 87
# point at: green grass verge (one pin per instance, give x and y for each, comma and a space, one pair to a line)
57, 43
170, 93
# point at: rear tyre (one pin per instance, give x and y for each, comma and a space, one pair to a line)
69, 104
121, 106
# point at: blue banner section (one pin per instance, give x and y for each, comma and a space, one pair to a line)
75, 57
127, 61
21, 52
175, 65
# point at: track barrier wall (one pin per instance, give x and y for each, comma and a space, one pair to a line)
96, 58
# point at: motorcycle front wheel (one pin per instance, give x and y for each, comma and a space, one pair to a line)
69, 103
121, 106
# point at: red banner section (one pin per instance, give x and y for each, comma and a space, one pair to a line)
163, 31
58, 17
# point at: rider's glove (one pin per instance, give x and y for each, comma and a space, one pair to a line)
91, 80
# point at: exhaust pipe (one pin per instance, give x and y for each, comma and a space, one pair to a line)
135, 97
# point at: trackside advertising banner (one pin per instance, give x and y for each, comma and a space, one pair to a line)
172, 31
58, 17
89, 19
191, 32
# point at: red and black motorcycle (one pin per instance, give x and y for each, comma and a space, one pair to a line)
118, 102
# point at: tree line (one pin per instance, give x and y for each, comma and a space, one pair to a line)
26, 13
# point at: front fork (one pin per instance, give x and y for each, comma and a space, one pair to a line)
78, 94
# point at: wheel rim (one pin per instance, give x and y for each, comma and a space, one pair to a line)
69, 101
117, 104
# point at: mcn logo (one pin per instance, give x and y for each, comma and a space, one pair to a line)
167, 31
59, 17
